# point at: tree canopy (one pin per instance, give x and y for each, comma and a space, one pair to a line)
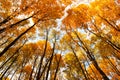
59, 40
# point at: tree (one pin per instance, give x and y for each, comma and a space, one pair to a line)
59, 40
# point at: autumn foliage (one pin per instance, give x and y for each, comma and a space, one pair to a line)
59, 40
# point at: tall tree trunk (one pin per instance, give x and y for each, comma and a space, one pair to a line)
51, 59
36, 57
92, 58
15, 40
86, 78
57, 68
42, 57
100, 70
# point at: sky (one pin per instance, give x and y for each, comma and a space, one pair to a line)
75, 3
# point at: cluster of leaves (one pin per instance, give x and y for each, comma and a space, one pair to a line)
86, 47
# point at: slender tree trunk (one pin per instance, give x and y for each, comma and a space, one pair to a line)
50, 60
114, 27
15, 71
79, 64
92, 58
36, 57
23, 64
45, 67
12, 55
78, 44
5, 41
100, 71
58, 64
41, 60
15, 40
113, 66
14, 60
12, 25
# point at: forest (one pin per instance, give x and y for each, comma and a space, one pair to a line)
59, 39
